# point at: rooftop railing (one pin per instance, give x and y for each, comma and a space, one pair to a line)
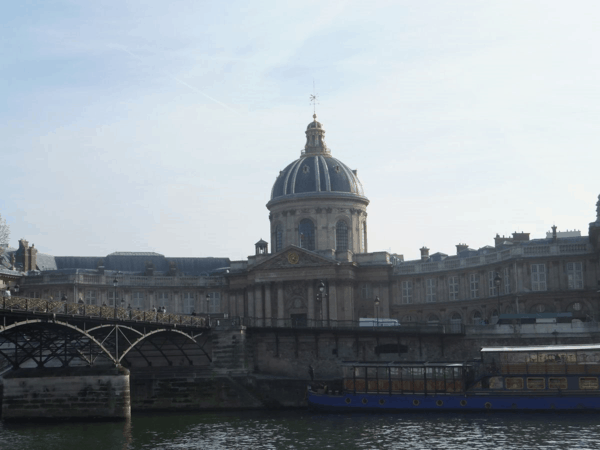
526, 251
124, 280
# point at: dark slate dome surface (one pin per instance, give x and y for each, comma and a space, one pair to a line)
318, 173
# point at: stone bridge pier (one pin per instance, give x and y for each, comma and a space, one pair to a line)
56, 393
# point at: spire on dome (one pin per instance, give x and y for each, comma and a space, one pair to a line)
315, 138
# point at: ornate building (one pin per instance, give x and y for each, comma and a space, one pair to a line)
319, 270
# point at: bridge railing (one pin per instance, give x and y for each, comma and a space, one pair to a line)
37, 305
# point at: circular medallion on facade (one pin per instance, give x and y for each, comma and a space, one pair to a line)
293, 258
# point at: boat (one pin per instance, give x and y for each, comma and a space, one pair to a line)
534, 378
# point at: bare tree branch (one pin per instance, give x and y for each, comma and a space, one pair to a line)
4, 231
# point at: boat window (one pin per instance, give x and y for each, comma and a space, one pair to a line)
588, 383
496, 383
359, 372
394, 371
514, 383
372, 372
382, 373
536, 383
557, 383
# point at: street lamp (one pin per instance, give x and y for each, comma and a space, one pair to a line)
377, 309
207, 308
497, 282
321, 295
115, 284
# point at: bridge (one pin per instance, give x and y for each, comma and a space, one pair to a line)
43, 333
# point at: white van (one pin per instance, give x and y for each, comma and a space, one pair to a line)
373, 322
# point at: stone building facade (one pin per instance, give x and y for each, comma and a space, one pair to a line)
319, 271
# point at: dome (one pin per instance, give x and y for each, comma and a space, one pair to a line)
316, 174
316, 171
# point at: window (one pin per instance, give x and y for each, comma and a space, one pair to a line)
493, 291
557, 383
474, 283
163, 300
588, 383
514, 383
111, 297
366, 292
214, 302
137, 300
58, 295
575, 275
453, 287
341, 236
306, 230
538, 277
536, 383
278, 238
407, 291
188, 302
456, 318
477, 318
430, 292
433, 319
506, 280
90, 297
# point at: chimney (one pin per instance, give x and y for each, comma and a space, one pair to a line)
424, 254
553, 233
32, 257
461, 247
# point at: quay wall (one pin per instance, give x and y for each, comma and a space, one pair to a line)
290, 355
81, 393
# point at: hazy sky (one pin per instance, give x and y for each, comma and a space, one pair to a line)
161, 126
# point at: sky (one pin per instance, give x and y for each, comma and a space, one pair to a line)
155, 126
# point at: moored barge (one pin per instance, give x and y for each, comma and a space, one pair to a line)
535, 378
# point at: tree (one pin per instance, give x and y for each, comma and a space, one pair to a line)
4, 231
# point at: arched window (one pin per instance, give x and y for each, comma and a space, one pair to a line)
306, 231
278, 238
476, 318
407, 319
456, 318
341, 236
433, 319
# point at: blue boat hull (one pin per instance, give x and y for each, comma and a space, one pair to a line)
442, 402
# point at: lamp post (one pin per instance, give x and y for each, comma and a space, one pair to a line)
377, 309
497, 282
115, 284
208, 308
321, 296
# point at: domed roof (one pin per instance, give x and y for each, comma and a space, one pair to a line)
316, 171
312, 174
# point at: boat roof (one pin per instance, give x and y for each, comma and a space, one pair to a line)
542, 348
407, 363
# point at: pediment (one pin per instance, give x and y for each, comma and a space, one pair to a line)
293, 257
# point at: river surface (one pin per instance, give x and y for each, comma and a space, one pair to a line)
305, 430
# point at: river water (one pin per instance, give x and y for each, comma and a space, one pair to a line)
305, 430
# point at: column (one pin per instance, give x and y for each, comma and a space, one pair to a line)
332, 299
268, 312
311, 302
239, 296
251, 304
280, 307
325, 305
258, 305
